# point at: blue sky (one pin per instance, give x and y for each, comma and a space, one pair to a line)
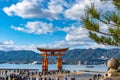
27, 24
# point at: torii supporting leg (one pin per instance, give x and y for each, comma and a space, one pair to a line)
59, 63
45, 65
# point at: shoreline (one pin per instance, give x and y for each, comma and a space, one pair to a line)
35, 74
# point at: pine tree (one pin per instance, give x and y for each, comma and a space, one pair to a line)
94, 17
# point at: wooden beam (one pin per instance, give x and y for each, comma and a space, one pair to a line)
52, 54
52, 50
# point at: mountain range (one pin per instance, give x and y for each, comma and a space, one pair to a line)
75, 56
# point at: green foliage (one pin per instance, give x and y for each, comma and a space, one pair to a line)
93, 19
117, 3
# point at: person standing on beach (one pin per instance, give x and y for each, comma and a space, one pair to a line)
65, 78
95, 77
6, 72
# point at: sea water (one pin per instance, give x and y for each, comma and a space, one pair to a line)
101, 68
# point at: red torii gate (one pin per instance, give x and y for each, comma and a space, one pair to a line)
45, 59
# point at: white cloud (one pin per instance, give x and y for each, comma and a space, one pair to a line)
35, 9
75, 11
16, 47
53, 8
10, 45
31, 47
32, 9
95, 45
10, 42
64, 44
78, 9
76, 34
74, 44
35, 27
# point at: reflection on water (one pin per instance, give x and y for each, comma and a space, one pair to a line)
54, 67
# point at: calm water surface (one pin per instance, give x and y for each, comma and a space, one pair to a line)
54, 67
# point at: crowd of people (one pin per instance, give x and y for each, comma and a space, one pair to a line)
22, 74
29, 74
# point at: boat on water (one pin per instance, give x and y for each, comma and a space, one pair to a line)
36, 62
89, 66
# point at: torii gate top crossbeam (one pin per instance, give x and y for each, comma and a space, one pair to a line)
52, 50
52, 54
